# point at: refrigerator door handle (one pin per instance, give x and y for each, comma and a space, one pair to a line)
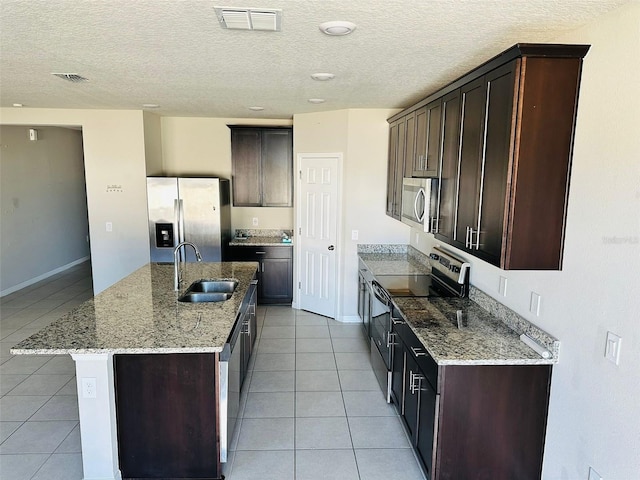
181, 220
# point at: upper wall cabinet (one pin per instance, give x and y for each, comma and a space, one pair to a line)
262, 163
504, 155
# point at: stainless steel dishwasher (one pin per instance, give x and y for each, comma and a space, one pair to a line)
230, 384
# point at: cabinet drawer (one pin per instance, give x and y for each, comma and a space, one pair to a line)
253, 253
416, 349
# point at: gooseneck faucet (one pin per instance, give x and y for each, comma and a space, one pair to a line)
176, 270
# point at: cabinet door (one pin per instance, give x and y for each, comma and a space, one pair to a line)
277, 168
495, 162
246, 151
426, 423
411, 396
397, 373
428, 128
391, 167
410, 152
470, 165
277, 280
449, 169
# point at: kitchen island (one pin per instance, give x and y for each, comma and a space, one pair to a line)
141, 317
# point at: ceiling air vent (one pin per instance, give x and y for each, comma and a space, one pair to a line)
265, 19
71, 77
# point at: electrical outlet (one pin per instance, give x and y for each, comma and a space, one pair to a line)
612, 348
109, 227
88, 387
534, 305
593, 475
502, 286
255, 221
354, 234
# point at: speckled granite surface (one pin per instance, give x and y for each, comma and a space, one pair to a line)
484, 332
142, 314
264, 237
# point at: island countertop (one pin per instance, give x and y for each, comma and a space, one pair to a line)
141, 314
462, 331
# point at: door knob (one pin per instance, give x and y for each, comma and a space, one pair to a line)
331, 247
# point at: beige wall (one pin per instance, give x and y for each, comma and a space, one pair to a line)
152, 143
362, 137
202, 146
43, 226
114, 152
594, 416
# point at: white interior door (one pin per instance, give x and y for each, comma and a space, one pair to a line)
318, 212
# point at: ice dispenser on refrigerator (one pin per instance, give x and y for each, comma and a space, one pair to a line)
194, 209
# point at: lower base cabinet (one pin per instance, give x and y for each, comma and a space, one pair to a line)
275, 271
471, 421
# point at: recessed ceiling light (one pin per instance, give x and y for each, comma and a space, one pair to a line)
150, 105
323, 76
337, 27
316, 100
256, 109
18, 105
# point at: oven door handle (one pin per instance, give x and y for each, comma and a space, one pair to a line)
380, 293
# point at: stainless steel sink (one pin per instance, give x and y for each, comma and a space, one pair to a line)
208, 291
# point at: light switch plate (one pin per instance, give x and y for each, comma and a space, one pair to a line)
534, 305
502, 287
612, 348
354, 234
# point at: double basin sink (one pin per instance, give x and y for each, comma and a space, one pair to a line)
207, 291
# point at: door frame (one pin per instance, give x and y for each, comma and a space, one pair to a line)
300, 157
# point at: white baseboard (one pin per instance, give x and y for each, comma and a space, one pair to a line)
350, 319
44, 276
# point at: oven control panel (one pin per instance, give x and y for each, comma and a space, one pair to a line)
447, 265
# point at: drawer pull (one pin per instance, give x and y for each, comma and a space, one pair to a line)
261, 253
418, 352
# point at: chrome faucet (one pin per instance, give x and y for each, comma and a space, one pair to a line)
176, 270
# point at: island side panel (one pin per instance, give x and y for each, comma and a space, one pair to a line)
97, 414
166, 415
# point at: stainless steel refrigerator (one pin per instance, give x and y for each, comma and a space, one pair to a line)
193, 209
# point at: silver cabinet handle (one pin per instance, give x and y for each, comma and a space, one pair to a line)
415, 382
397, 321
261, 253
418, 352
466, 240
391, 339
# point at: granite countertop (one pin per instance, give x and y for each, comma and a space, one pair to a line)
459, 331
267, 241
141, 314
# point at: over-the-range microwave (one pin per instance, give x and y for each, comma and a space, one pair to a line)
419, 199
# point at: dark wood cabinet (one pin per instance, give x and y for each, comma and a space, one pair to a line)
262, 164
395, 167
503, 196
167, 416
448, 181
275, 271
470, 421
427, 140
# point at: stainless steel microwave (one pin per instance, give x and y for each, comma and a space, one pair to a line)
418, 202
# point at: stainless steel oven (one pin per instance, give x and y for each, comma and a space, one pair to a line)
449, 277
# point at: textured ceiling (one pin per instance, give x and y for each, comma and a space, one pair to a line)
175, 54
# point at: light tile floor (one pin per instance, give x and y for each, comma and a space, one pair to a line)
39, 433
311, 406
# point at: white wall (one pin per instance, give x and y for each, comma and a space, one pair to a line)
594, 416
44, 225
114, 154
202, 146
362, 136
